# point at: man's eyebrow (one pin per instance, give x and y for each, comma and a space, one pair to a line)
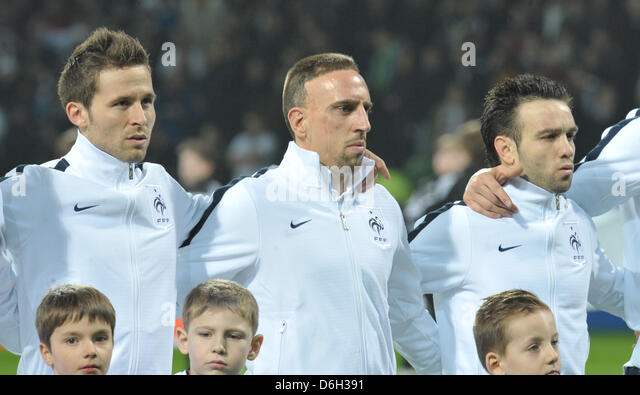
368, 104
150, 95
556, 130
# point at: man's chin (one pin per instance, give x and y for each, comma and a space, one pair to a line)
134, 157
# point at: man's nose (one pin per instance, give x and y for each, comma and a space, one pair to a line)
362, 122
568, 147
138, 114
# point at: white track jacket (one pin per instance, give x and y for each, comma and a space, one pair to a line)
610, 176
92, 219
549, 248
333, 276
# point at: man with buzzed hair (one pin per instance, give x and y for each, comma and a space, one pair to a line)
323, 250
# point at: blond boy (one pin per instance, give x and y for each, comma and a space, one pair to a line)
515, 333
220, 319
75, 324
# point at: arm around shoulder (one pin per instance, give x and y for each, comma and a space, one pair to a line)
227, 244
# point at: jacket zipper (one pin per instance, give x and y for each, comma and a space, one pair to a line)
354, 269
133, 366
552, 266
283, 327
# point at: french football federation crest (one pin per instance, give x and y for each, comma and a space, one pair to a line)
159, 210
376, 228
576, 249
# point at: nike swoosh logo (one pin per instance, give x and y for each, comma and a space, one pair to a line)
293, 226
78, 209
507, 248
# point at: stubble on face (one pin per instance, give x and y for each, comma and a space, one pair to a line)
122, 114
546, 149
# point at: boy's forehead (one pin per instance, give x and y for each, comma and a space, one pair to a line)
219, 315
529, 324
85, 324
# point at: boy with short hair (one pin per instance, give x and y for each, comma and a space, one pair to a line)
515, 333
220, 319
75, 324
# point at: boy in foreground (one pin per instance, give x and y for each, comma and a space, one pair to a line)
220, 320
75, 324
516, 333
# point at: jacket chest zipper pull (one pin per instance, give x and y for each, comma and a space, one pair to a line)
282, 326
344, 221
130, 171
557, 202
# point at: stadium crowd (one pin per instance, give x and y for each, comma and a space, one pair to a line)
231, 58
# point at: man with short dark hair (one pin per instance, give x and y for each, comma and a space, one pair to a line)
323, 250
549, 248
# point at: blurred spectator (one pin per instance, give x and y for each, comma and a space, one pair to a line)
198, 159
457, 156
251, 149
231, 58
65, 141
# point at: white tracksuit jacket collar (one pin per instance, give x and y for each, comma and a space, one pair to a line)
304, 166
533, 201
89, 162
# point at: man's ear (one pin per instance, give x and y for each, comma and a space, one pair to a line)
256, 343
507, 150
183, 341
77, 114
46, 354
493, 363
297, 121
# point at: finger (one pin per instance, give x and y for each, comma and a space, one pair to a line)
489, 186
478, 208
484, 186
487, 204
493, 191
381, 167
503, 172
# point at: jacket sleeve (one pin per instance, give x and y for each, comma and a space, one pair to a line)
610, 173
9, 329
440, 247
226, 246
415, 333
189, 209
614, 289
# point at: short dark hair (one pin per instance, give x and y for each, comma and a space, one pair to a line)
294, 93
70, 303
103, 49
500, 105
489, 329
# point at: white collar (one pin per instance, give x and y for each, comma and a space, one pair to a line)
304, 166
531, 198
89, 162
